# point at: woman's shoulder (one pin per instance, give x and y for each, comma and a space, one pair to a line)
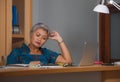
16, 51
21, 49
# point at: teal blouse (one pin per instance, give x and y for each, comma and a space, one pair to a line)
22, 56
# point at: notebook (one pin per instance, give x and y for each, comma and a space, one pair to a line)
88, 55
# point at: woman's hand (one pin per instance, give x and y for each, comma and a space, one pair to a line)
34, 62
56, 36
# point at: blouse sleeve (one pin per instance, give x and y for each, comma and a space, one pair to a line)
13, 57
52, 56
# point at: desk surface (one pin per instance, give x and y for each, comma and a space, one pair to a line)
34, 71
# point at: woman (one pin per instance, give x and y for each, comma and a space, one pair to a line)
35, 54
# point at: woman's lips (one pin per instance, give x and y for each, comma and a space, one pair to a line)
38, 43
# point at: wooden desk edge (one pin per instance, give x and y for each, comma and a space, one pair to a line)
36, 71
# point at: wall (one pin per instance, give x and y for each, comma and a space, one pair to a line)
115, 34
73, 19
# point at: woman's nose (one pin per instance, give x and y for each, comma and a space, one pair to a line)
40, 38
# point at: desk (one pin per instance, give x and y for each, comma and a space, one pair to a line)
109, 73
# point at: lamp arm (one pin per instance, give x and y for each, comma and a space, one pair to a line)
115, 4
103, 1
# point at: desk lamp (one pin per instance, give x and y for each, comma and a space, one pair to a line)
101, 8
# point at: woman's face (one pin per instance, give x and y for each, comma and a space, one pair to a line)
39, 37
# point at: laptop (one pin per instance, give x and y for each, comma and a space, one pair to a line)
88, 55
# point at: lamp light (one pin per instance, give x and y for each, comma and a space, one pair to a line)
101, 8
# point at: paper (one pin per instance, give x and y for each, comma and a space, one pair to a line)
18, 65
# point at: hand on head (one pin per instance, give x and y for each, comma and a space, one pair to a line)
55, 36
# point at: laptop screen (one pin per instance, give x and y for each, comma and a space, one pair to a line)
89, 54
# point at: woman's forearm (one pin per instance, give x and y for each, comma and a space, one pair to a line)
65, 53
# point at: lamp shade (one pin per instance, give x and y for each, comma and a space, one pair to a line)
101, 8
